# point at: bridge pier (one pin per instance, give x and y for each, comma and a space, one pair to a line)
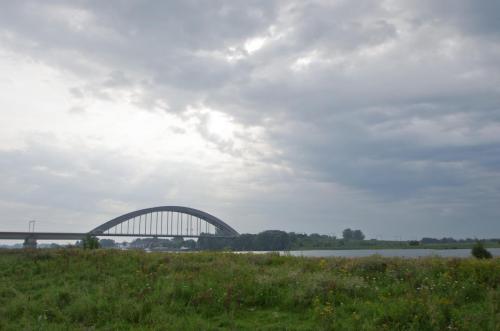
29, 242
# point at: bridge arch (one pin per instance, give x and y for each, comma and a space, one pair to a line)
192, 228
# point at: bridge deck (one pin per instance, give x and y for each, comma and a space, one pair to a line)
78, 236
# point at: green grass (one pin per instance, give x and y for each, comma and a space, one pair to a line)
130, 290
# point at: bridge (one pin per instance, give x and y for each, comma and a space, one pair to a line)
156, 222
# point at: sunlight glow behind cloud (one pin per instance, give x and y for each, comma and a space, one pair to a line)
303, 116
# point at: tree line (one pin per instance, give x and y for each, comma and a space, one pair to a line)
274, 240
279, 240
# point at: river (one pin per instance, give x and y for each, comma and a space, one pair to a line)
422, 252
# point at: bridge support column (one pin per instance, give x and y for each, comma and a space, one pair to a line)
29, 242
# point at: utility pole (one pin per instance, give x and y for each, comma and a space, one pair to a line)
31, 226
30, 242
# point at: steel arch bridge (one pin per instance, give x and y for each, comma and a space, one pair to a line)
163, 221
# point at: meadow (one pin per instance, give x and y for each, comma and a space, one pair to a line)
74, 289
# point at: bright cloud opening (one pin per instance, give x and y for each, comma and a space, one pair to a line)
254, 44
220, 124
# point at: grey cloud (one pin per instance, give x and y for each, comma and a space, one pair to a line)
82, 187
479, 18
346, 118
340, 25
396, 166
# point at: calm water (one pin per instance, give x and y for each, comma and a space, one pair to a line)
389, 252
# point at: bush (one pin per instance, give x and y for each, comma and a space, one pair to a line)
90, 242
480, 252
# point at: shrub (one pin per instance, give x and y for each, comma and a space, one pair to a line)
480, 252
90, 242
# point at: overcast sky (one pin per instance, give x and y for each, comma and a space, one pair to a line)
305, 116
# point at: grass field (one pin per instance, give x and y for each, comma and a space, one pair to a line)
131, 290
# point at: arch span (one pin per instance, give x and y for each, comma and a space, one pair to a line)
223, 228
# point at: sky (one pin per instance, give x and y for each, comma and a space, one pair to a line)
304, 116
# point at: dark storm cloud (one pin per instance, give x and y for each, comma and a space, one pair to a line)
397, 99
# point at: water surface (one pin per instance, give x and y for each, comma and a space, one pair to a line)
422, 252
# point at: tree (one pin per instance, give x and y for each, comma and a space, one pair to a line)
272, 240
358, 235
90, 242
107, 243
478, 251
347, 234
